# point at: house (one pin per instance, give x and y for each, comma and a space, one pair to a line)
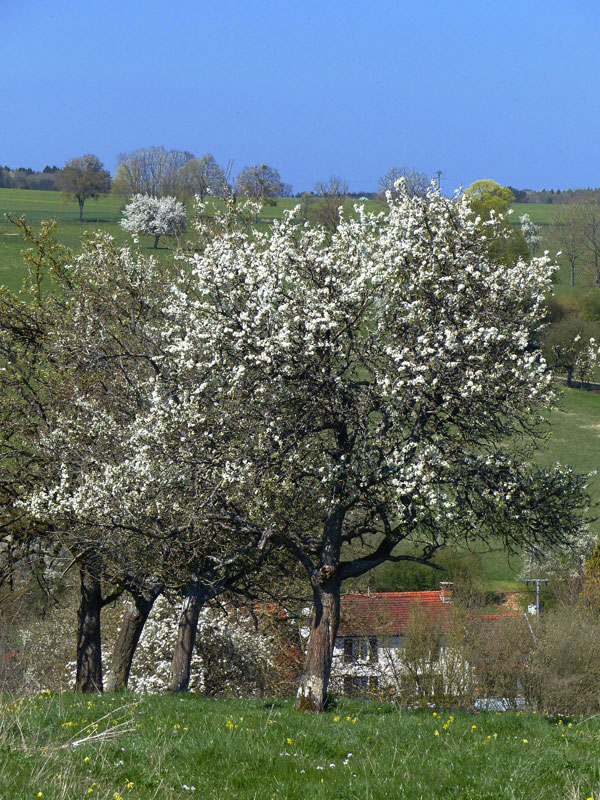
392, 641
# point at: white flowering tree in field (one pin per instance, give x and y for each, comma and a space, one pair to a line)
530, 231
389, 381
108, 471
155, 216
340, 395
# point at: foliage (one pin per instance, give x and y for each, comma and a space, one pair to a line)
151, 171
202, 177
84, 177
564, 665
374, 388
155, 216
463, 569
530, 231
490, 201
415, 183
570, 347
233, 657
327, 209
261, 182
561, 562
489, 198
591, 305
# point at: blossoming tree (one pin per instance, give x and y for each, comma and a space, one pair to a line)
340, 395
124, 455
156, 216
389, 383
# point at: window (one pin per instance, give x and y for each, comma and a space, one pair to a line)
360, 648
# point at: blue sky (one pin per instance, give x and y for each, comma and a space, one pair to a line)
508, 91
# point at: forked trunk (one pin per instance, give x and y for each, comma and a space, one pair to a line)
89, 650
312, 691
132, 625
186, 637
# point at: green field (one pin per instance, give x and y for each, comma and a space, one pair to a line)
139, 748
539, 213
105, 213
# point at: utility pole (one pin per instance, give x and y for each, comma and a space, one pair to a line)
537, 582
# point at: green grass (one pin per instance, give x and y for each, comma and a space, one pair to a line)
573, 440
539, 213
103, 214
154, 747
36, 205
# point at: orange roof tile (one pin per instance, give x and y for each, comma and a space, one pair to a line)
387, 612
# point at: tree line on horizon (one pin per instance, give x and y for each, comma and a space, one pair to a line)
198, 173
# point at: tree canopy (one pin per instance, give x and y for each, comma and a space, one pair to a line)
84, 177
341, 394
261, 182
155, 216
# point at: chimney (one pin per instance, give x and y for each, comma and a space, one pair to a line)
446, 588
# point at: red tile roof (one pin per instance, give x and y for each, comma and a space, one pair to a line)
388, 612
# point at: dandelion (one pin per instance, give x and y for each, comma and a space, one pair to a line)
336, 719
288, 740
525, 741
229, 724
436, 732
86, 759
473, 727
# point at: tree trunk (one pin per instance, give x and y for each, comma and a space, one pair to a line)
186, 637
312, 691
81, 202
156, 238
132, 625
89, 650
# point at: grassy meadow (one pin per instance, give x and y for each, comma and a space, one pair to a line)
123, 747
103, 213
